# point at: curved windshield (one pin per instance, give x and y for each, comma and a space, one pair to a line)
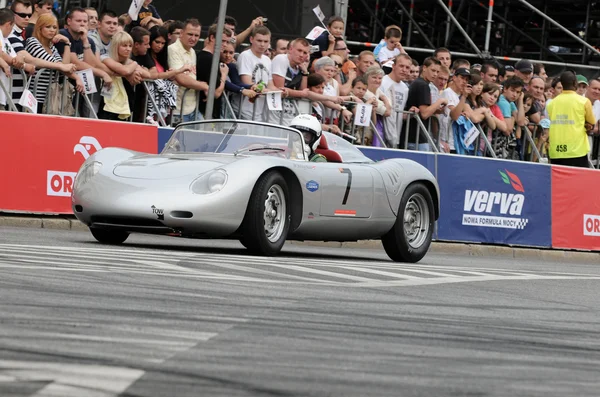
239, 138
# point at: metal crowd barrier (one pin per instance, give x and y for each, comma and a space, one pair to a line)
148, 97
8, 90
482, 136
433, 146
56, 77
8, 95
529, 146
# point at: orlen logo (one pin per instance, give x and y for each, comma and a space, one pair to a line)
500, 203
591, 225
85, 145
60, 183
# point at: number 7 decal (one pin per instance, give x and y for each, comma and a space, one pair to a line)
349, 185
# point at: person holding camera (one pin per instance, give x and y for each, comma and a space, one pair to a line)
456, 94
203, 67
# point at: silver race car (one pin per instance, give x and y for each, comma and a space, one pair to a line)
253, 182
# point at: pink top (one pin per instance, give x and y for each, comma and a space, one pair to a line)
159, 67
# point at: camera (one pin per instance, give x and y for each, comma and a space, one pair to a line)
265, 20
314, 48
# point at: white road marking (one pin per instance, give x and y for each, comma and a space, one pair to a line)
71, 380
243, 268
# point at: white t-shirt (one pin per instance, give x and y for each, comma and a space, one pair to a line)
446, 133
280, 66
8, 49
260, 70
595, 109
385, 54
397, 94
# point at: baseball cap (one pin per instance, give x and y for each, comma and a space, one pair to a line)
509, 68
524, 66
462, 72
545, 123
582, 79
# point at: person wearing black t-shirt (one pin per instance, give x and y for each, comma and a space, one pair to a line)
141, 55
203, 66
147, 17
419, 97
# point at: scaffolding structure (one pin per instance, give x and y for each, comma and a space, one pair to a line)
558, 32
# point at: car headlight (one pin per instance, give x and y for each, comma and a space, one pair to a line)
86, 173
211, 182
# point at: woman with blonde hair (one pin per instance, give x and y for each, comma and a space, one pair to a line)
118, 103
41, 45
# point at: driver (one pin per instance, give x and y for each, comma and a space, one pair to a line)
310, 128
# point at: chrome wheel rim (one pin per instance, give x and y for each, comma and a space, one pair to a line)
416, 221
275, 213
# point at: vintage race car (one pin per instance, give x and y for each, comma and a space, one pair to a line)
253, 182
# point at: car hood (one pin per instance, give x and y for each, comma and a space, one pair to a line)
169, 166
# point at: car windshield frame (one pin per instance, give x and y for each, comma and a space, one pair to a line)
236, 138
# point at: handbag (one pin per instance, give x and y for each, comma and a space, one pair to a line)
55, 96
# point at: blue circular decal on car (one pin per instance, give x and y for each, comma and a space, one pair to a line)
312, 186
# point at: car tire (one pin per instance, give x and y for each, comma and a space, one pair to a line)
410, 237
107, 236
267, 220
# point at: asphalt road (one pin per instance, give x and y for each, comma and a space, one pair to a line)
172, 317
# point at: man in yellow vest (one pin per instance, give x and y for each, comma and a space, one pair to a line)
571, 118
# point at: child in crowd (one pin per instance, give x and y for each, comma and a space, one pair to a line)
391, 50
360, 86
383, 43
326, 41
316, 83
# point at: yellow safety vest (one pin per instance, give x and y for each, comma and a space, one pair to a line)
568, 137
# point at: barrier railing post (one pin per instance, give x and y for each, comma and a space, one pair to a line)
89, 104
9, 100
36, 80
376, 132
229, 107
150, 98
76, 105
487, 143
531, 141
406, 130
420, 128
63, 97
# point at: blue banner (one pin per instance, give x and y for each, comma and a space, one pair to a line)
427, 159
164, 133
494, 201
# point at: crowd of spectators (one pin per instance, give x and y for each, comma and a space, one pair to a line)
151, 70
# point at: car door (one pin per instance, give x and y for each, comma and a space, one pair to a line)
347, 190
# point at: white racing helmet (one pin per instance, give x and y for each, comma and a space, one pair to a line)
310, 128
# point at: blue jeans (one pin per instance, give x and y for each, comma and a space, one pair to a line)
186, 117
423, 147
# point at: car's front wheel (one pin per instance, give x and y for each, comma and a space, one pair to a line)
106, 236
267, 219
410, 238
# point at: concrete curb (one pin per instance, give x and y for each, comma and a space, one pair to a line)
66, 222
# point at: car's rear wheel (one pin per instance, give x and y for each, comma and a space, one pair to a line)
107, 236
410, 238
267, 221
